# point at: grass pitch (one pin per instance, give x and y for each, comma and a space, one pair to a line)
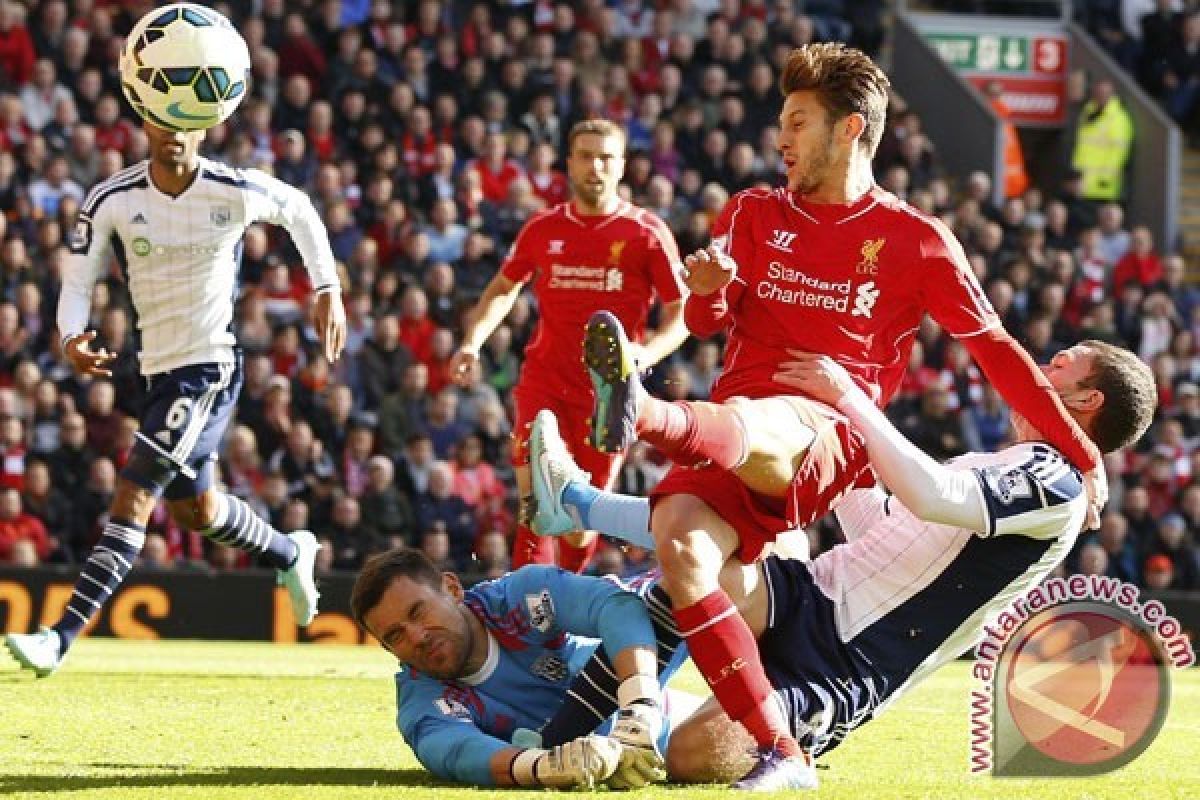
163, 719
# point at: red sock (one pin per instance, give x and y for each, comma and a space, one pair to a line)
575, 559
529, 548
693, 433
726, 654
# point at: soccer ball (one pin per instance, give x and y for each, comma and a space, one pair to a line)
184, 67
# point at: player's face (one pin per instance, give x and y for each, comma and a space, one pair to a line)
1069, 368
806, 142
594, 167
173, 149
424, 626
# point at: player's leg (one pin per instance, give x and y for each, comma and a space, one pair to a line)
105, 569
564, 500
591, 697
762, 441
575, 550
709, 747
227, 520
197, 505
528, 547
693, 544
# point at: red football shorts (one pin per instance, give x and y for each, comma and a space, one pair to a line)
835, 463
573, 418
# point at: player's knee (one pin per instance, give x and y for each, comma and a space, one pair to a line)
685, 755
194, 513
676, 539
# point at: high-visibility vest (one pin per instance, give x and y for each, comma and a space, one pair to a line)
1102, 146
1016, 179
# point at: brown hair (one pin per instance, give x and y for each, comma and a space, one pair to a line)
846, 81
601, 127
383, 568
1130, 395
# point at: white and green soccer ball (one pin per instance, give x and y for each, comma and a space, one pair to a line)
184, 67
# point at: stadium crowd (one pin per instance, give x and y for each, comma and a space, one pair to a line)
427, 133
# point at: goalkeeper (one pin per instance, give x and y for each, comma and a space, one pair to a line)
482, 669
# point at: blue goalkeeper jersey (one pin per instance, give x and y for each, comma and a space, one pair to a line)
543, 625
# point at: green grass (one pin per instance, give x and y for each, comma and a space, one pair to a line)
164, 719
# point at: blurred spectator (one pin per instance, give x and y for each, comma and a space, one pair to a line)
442, 422
386, 511
437, 547
46, 502
1103, 142
304, 464
491, 555
72, 460
17, 525
476, 481
382, 360
439, 506
156, 553
1176, 546
935, 428
352, 540
415, 465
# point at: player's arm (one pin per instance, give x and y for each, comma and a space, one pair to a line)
711, 274
271, 200
449, 744
491, 309
557, 600
1023, 385
954, 298
665, 339
88, 247
931, 491
666, 274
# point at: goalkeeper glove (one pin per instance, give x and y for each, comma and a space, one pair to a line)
581, 763
639, 724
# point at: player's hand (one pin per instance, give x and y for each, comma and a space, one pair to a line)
708, 270
581, 763
637, 729
462, 364
86, 361
1095, 483
330, 318
816, 375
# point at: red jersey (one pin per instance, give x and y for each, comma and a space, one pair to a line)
851, 281
582, 264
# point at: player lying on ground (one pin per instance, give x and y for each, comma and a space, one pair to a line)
482, 666
841, 637
832, 264
174, 223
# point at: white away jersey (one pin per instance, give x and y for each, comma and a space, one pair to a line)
935, 584
180, 255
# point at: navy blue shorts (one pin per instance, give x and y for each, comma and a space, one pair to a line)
823, 687
182, 424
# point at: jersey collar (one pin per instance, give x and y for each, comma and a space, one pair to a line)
835, 213
489, 664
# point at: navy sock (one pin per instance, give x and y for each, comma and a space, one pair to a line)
236, 525
106, 567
